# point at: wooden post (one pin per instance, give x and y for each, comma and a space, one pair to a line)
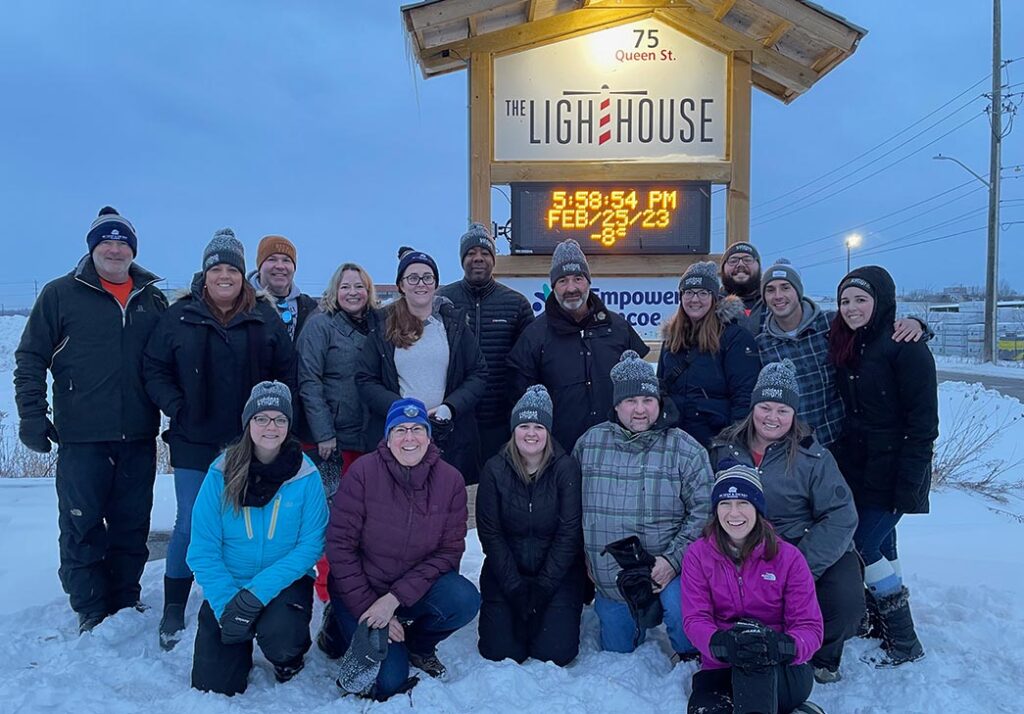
481, 107
737, 209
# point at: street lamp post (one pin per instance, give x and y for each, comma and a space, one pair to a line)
852, 241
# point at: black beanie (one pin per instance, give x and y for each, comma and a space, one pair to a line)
111, 225
408, 256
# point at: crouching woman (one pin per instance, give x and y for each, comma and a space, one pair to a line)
257, 530
749, 606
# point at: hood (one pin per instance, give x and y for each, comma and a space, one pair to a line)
885, 294
729, 309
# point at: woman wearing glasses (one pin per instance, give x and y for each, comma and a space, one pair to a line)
709, 363
423, 348
258, 528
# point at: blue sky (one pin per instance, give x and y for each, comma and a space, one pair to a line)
310, 119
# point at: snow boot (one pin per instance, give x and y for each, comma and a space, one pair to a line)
808, 708
870, 625
329, 638
827, 675
899, 639
284, 672
172, 623
429, 664
88, 621
361, 663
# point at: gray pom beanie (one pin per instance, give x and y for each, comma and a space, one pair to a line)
268, 396
534, 406
224, 248
783, 270
633, 377
476, 237
568, 259
701, 276
777, 383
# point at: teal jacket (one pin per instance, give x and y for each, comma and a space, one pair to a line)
263, 550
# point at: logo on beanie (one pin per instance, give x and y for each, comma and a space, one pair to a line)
410, 411
212, 259
693, 281
267, 401
648, 387
529, 415
860, 283
570, 267
732, 490
778, 273
771, 393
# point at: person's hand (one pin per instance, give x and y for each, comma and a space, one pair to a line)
326, 448
379, 614
662, 573
907, 329
37, 433
396, 633
764, 647
442, 412
239, 618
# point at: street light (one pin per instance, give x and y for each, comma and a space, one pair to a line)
852, 241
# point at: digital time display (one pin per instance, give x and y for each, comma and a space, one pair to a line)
646, 217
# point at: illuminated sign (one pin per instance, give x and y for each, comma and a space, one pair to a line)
617, 218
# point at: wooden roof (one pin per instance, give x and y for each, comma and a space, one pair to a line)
793, 43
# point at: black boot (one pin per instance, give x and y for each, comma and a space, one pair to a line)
176, 592
899, 640
329, 639
870, 626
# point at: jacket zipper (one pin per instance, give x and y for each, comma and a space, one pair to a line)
273, 517
248, 522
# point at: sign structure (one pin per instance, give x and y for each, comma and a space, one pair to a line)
641, 91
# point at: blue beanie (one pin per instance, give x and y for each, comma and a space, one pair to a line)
406, 411
408, 256
738, 482
111, 225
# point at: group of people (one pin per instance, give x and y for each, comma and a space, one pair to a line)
745, 491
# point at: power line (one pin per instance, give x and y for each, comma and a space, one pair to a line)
865, 254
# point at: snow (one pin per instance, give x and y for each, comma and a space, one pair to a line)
961, 365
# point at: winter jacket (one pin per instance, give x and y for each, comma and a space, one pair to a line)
807, 501
263, 550
892, 413
654, 484
531, 530
93, 347
778, 592
712, 391
395, 529
466, 382
497, 315
305, 305
754, 312
573, 360
328, 351
200, 373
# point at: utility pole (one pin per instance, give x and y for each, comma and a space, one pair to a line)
990, 350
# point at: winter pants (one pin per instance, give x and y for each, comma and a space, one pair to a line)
841, 598
186, 488
104, 498
282, 631
618, 628
713, 690
451, 603
875, 539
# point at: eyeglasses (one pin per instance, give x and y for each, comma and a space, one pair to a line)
737, 259
285, 309
414, 279
415, 430
700, 294
263, 421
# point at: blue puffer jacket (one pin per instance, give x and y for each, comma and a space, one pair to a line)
263, 550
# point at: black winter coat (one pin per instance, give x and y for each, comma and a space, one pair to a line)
465, 384
892, 414
497, 315
530, 530
93, 347
201, 373
574, 361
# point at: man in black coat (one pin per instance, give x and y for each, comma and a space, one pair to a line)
497, 315
741, 276
572, 347
89, 329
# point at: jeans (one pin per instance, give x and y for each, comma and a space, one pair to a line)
618, 628
186, 488
875, 537
451, 603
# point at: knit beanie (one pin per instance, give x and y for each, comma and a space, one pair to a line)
406, 411
741, 483
111, 225
265, 397
701, 276
633, 377
224, 248
783, 270
476, 237
568, 259
777, 383
743, 248
275, 244
408, 256
534, 406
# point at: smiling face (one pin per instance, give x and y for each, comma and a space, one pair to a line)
772, 420
270, 436
781, 298
737, 519
571, 292
352, 292
417, 293
478, 265
408, 443
112, 259
276, 274
223, 283
856, 306
531, 438
741, 270
696, 303
638, 413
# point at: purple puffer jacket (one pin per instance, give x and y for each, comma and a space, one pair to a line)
394, 528
778, 592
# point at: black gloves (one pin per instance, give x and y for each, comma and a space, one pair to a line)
36, 433
752, 644
236, 624
724, 646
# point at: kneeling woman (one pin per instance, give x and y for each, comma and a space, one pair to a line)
749, 607
395, 541
257, 529
528, 516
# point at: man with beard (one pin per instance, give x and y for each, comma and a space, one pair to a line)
741, 276
571, 348
497, 315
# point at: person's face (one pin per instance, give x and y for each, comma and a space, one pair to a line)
271, 434
696, 303
638, 413
276, 274
415, 287
352, 292
112, 258
742, 269
737, 518
856, 306
781, 298
531, 438
478, 265
772, 420
223, 282
571, 292
408, 443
